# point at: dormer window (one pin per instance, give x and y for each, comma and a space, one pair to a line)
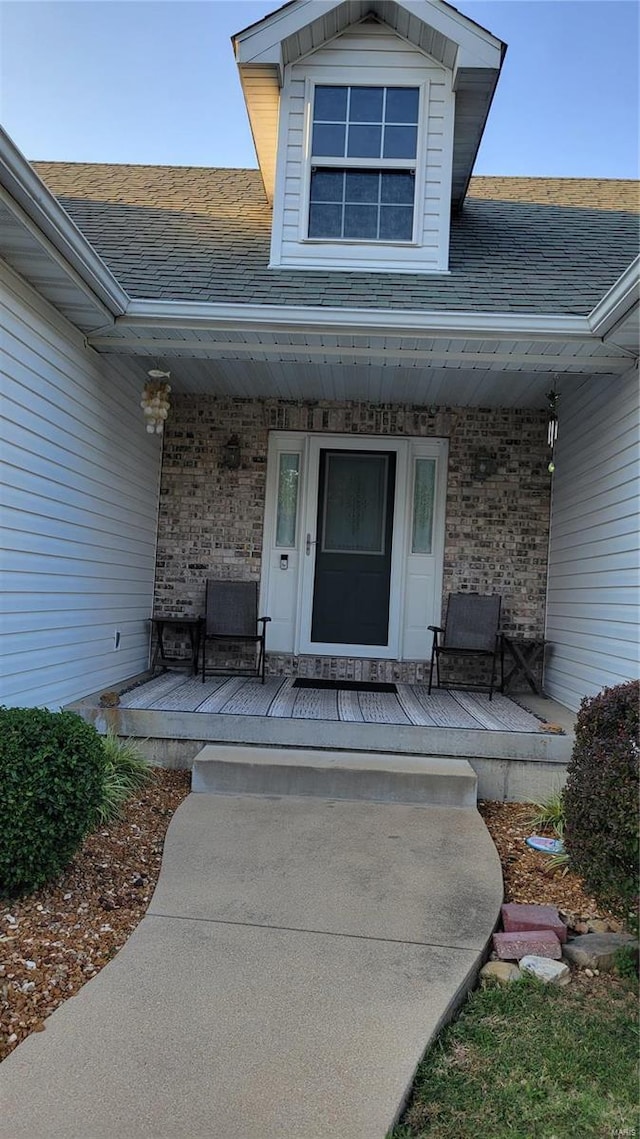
363, 163
367, 120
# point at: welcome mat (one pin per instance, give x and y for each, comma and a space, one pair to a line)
345, 685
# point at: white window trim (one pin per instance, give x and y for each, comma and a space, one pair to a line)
345, 78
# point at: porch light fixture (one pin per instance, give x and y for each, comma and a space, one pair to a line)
231, 456
552, 425
484, 466
155, 400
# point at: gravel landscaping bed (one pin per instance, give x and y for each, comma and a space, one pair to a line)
528, 877
56, 939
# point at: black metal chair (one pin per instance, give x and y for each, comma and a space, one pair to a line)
231, 614
471, 629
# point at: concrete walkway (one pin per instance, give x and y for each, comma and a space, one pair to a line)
298, 956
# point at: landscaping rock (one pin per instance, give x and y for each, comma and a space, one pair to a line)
580, 927
513, 946
551, 972
518, 918
502, 971
597, 950
596, 925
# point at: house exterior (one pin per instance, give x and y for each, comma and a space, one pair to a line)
375, 328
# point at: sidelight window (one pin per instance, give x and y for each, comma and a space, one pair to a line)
287, 503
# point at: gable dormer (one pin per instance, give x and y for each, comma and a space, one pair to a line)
367, 116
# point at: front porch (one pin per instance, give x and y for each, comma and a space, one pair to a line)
360, 479
440, 474
509, 742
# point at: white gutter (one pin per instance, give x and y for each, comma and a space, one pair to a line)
206, 316
618, 302
47, 217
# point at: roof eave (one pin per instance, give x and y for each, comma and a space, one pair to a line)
618, 303
45, 222
475, 58
205, 314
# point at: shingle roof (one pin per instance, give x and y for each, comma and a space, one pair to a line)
188, 233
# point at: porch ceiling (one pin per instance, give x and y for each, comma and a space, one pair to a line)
340, 366
369, 383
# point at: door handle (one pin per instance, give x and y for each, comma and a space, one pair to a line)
309, 543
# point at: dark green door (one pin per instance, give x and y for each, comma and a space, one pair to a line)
353, 547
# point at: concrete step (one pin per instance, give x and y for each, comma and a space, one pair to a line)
433, 780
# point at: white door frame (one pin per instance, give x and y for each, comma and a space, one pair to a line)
288, 573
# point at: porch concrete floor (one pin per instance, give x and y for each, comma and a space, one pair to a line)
278, 698
297, 958
512, 753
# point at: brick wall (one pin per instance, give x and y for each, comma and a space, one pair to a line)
210, 522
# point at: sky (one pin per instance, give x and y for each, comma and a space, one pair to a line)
149, 82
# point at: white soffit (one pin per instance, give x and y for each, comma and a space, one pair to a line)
419, 386
298, 352
584, 355
626, 333
41, 243
300, 28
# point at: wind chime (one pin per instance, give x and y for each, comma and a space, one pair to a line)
155, 400
552, 426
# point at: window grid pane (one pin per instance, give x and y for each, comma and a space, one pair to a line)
287, 509
367, 205
365, 122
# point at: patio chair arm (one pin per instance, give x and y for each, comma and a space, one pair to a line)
263, 620
435, 629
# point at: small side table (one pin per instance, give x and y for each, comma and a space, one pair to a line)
524, 654
193, 625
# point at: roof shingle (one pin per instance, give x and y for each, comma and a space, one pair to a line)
550, 245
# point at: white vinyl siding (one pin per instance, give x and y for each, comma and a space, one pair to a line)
367, 55
593, 620
79, 509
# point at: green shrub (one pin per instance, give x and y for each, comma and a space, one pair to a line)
601, 795
51, 778
126, 769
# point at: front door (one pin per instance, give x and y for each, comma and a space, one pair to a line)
353, 544
354, 533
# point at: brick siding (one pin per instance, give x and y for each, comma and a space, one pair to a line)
210, 520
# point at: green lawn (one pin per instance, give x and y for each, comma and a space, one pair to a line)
532, 1061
